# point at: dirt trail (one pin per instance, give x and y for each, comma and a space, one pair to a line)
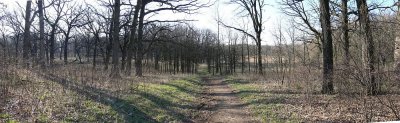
221, 105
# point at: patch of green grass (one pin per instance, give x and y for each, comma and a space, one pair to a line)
262, 104
5, 116
12, 121
43, 119
90, 111
168, 102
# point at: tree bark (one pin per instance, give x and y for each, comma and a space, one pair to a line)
367, 35
66, 46
345, 38
115, 36
27, 43
140, 53
327, 84
97, 39
259, 49
397, 40
132, 38
42, 60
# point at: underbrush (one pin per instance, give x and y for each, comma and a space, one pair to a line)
301, 102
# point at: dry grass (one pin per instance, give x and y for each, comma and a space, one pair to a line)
74, 93
299, 100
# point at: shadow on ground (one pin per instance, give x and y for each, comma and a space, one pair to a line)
129, 112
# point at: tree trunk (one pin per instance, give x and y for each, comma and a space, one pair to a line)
367, 34
115, 46
132, 39
27, 43
248, 54
66, 47
345, 38
42, 60
108, 53
259, 49
397, 40
97, 39
52, 42
327, 84
156, 60
242, 56
139, 58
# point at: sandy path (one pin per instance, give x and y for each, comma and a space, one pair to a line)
221, 105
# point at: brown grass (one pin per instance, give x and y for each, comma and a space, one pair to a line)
37, 95
299, 98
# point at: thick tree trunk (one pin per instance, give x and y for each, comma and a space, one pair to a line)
27, 43
42, 60
371, 58
327, 84
115, 46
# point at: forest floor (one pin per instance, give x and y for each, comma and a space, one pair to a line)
76, 93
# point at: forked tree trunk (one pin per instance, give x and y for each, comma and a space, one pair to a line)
140, 53
132, 38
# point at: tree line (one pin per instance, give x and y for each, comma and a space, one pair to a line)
354, 41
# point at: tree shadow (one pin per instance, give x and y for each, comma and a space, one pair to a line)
168, 106
123, 107
182, 89
284, 92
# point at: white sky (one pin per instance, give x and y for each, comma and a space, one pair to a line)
206, 18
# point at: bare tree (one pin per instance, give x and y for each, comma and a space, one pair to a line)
298, 9
15, 22
188, 7
115, 36
133, 37
253, 9
27, 44
345, 37
42, 49
327, 84
73, 20
2, 10
53, 20
368, 41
